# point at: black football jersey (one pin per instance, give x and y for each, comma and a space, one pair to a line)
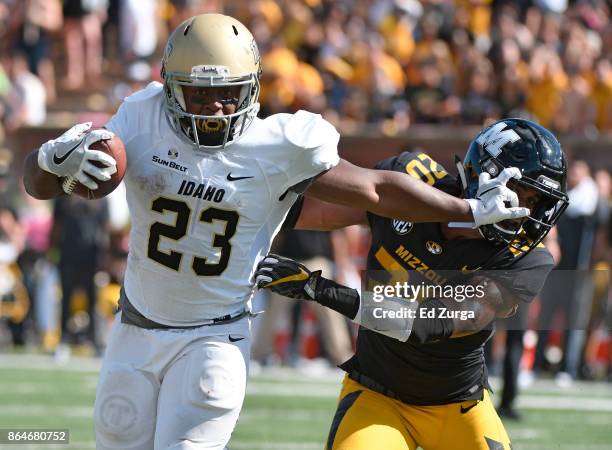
446, 371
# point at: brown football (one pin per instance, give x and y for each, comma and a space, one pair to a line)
115, 148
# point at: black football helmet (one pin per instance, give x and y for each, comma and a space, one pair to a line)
538, 155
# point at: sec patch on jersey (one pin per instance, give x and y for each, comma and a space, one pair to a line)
113, 147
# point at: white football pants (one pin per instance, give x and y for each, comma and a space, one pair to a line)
178, 390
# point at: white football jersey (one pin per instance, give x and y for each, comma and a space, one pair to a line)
202, 220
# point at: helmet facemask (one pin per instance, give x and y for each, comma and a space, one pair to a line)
524, 234
212, 131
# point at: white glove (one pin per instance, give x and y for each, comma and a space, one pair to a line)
70, 156
488, 206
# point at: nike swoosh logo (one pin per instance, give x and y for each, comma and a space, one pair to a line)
233, 339
303, 275
464, 410
465, 269
231, 178
61, 159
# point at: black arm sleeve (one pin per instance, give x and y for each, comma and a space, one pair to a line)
346, 301
335, 296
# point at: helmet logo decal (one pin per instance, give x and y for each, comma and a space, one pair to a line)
401, 227
255, 51
210, 71
172, 153
496, 137
433, 247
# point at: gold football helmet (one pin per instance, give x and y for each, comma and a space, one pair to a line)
211, 52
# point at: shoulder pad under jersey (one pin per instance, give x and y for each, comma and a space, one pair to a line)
308, 130
152, 89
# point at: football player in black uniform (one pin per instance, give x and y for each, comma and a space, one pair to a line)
426, 383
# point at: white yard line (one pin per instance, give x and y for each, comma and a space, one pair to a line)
331, 377
59, 411
556, 446
564, 403
275, 446
526, 433
46, 362
291, 390
85, 386
255, 414
525, 400
549, 387
297, 390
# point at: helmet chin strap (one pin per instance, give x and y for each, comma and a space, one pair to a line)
505, 230
461, 172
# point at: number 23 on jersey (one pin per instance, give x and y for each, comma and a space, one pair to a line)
172, 259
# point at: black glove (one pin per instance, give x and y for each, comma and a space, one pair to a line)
287, 277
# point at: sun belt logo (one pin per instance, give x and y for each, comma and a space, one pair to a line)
496, 137
433, 247
162, 162
401, 227
173, 153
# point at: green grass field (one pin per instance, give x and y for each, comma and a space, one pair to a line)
285, 410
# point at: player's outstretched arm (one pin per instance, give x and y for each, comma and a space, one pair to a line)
399, 196
319, 215
68, 156
389, 194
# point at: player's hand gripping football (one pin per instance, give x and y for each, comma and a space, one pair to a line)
287, 277
489, 206
70, 156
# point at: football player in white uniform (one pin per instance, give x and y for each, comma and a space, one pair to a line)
208, 186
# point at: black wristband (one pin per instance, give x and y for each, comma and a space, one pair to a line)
427, 329
335, 296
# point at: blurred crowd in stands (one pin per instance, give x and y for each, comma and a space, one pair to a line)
382, 64
389, 63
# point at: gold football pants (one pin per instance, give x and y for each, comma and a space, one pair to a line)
368, 420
